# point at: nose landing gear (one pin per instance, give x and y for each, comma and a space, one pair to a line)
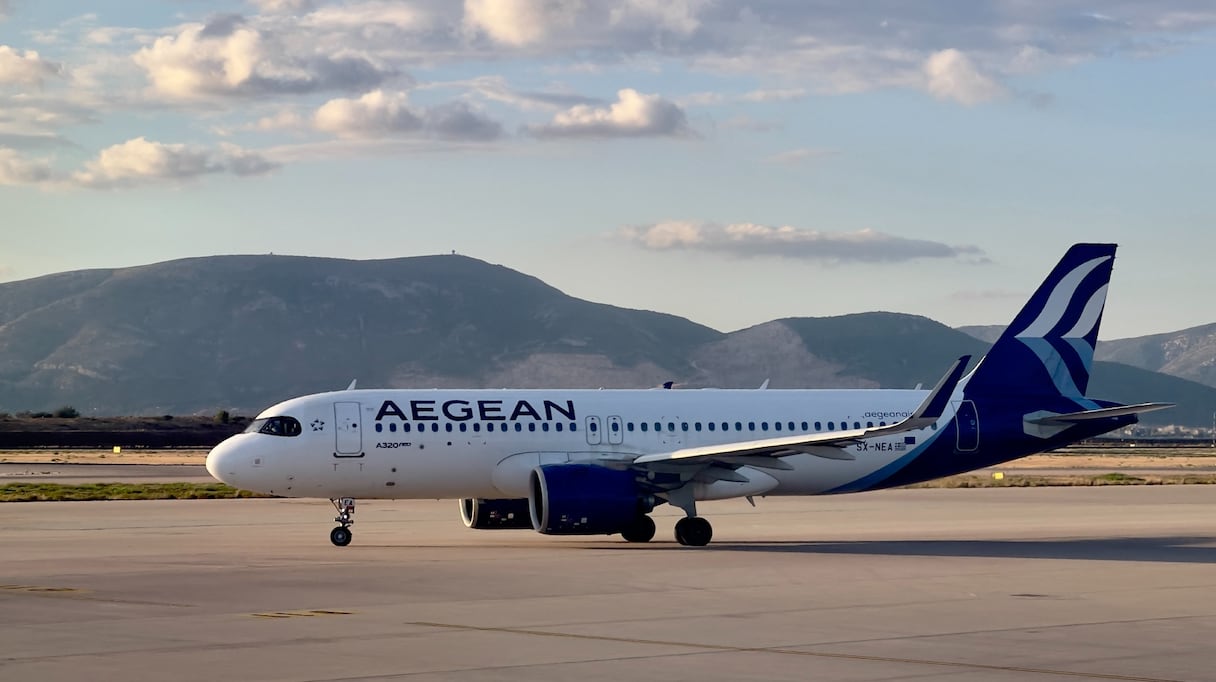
341, 535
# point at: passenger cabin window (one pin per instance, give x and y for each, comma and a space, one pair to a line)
275, 426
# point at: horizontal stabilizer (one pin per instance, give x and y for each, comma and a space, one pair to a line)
1103, 413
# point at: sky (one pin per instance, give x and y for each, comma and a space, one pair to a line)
729, 162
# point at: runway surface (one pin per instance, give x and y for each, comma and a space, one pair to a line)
993, 584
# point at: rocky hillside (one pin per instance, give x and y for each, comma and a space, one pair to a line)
1189, 354
245, 331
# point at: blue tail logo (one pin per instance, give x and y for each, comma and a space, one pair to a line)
1049, 347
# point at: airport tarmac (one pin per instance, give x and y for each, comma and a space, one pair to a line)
75, 474
1107, 583
78, 473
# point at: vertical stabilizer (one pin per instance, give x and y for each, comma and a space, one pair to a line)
1048, 349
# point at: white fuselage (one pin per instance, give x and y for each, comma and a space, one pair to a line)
484, 443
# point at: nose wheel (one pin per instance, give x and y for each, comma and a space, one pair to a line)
341, 536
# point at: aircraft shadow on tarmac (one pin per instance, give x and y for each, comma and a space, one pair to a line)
1178, 549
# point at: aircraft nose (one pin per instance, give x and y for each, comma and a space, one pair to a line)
222, 462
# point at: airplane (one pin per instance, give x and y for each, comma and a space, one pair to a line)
597, 462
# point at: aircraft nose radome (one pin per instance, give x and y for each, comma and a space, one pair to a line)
220, 462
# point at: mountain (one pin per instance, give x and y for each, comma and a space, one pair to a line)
987, 333
246, 331
243, 332
896, 350
1189, 354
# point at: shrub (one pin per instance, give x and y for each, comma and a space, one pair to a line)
67, 412
167, 417
222, 417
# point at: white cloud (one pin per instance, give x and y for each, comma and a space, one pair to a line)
496, 89
140, 161
17, 170
769, 95
753, 240
374, 114
676, 16
519, 23
777, 95
633, 115
361, 15
382, 114
286, 119
227, 57
459, 121
952, 76
25, 68
795, 156
283, 6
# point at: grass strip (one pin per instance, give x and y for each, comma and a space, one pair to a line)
58, 492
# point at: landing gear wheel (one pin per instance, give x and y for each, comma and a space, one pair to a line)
641, 530
340, 536
694, 531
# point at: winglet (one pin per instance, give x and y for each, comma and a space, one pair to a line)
352, 384
935, 403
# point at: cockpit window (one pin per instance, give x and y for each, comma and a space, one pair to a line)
275, 426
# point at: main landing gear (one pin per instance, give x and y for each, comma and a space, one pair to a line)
641, 530
694, 531
341, 535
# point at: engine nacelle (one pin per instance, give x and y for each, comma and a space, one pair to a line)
495, 514
584, 499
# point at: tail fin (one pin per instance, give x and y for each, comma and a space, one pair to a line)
1048, 349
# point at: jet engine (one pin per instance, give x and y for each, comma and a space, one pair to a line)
585, 499
495, 514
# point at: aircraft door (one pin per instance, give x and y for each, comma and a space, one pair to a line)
594, 436
348, 436
671, 433
616, 431
967, 422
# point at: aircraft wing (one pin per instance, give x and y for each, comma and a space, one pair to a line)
826, 444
